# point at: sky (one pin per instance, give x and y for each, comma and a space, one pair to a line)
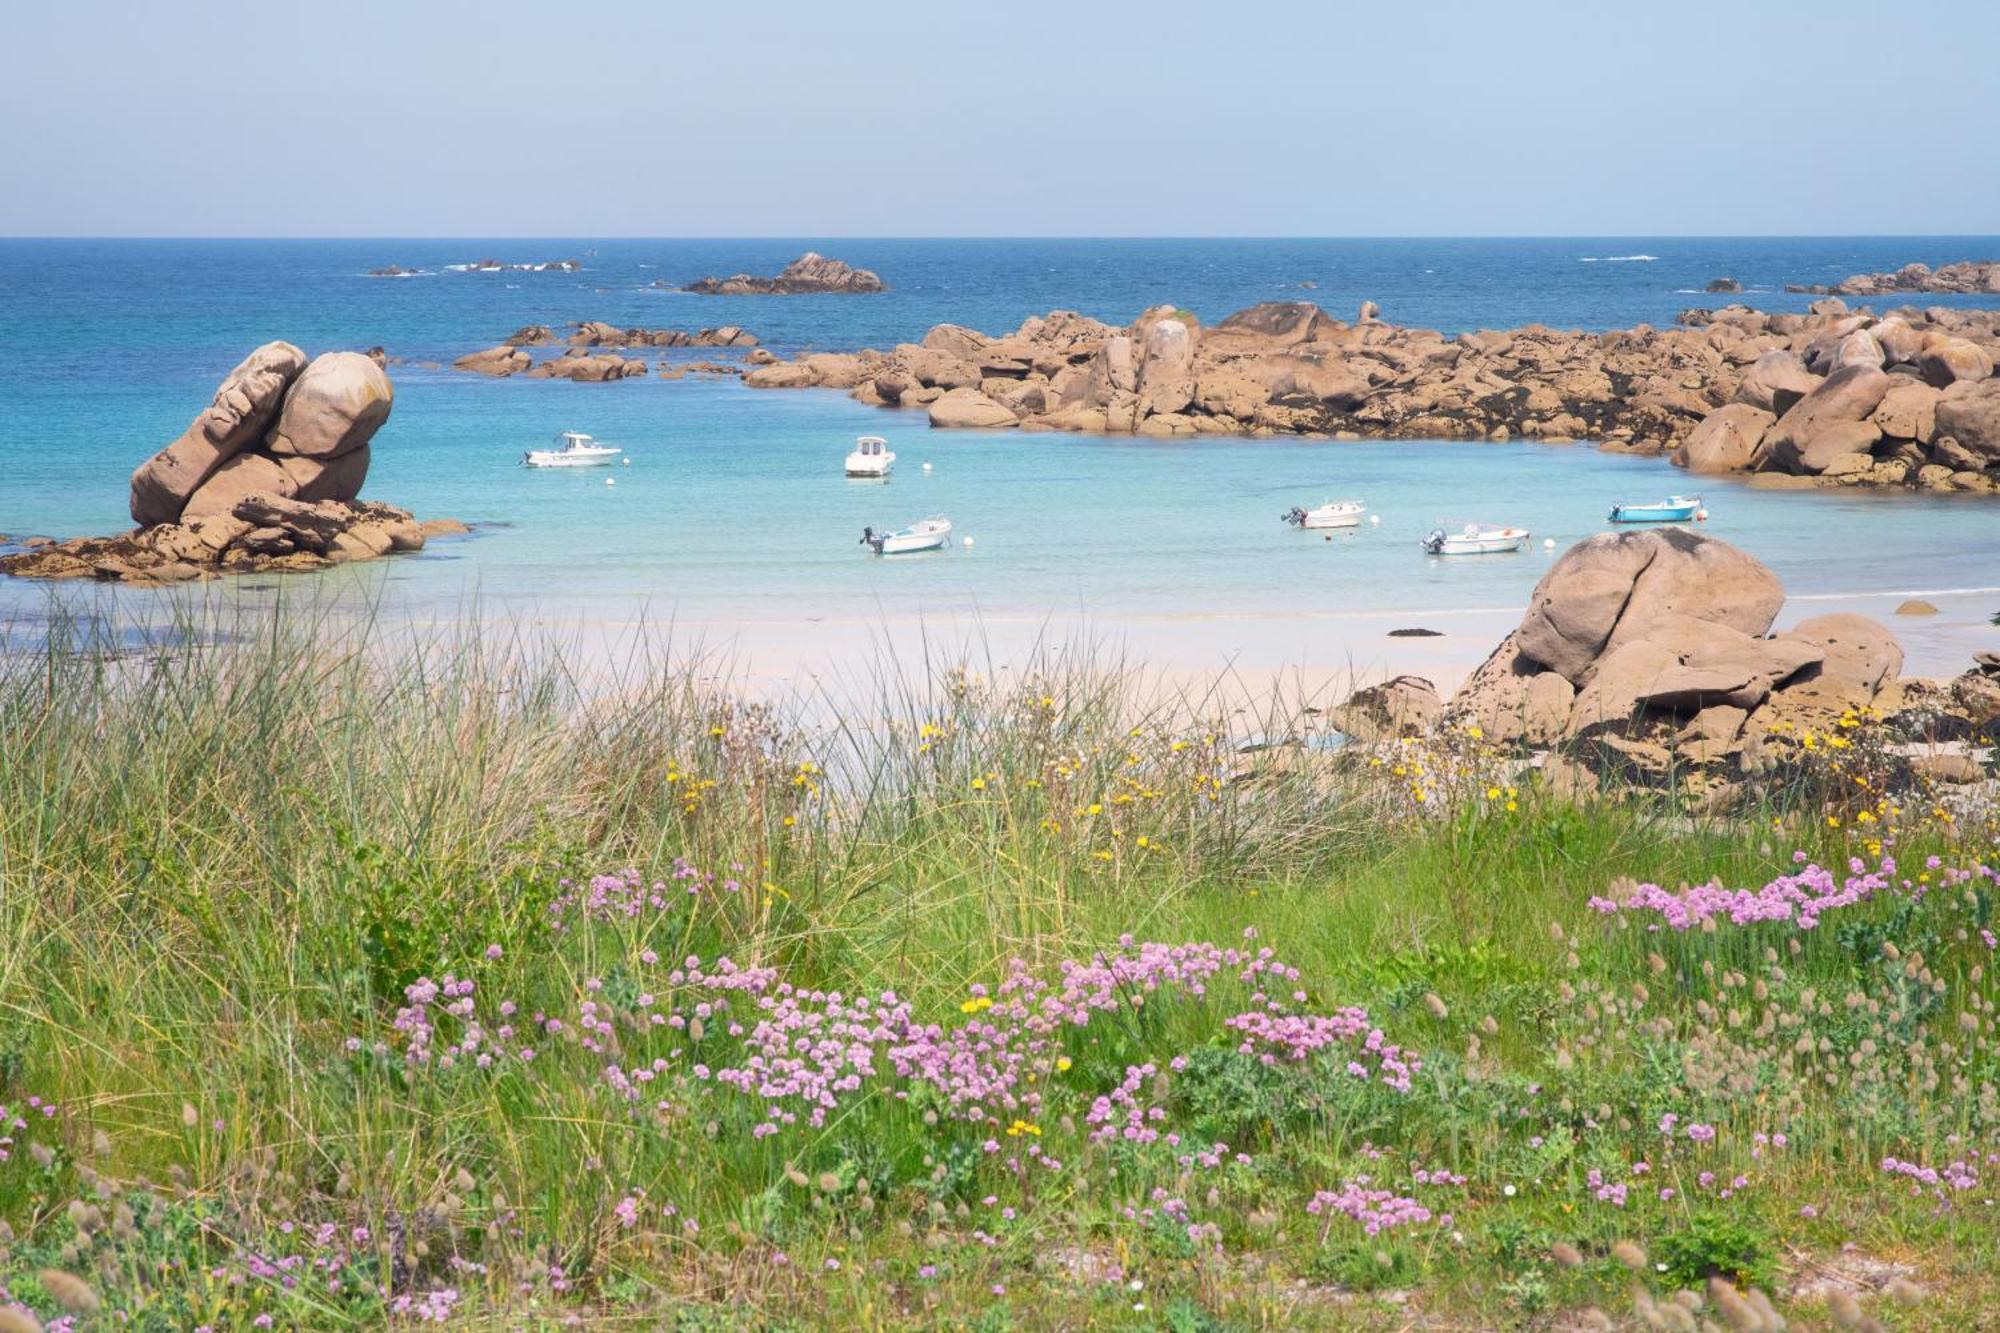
1084, 118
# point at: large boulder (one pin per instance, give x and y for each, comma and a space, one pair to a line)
1908, 412
335, 407
1282, 323
499, 362
1616, 587
1844, 398
240, 478
1853, 659
244, 405
1402, 706
1512, 698
1166, 367
1726, 440
1970, 415
1946, 361
1683, 666
969, 409
1775, 381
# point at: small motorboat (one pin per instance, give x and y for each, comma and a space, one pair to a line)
931, 534
1673, 509
871, 457
573, 449
1476, 539
1333, 514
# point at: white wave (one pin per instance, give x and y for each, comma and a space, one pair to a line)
1630, 259
1587, 259
1906, 592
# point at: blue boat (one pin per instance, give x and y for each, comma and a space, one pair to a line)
1673, 509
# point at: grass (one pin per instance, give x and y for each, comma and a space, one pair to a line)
286, 904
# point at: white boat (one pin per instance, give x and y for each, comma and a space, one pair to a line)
573, 449
1673, 509
871, 457
929, 535
1476, 539
1332, 514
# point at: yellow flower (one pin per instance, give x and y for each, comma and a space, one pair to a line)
1095, 809
979, 784
790, 821
1062, 1064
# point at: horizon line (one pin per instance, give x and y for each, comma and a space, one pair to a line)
1024, 236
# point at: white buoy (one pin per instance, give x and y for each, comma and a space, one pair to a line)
1701, 516
968, 541
927, 467
1374, 520
1548, 543
628, 462
611, 481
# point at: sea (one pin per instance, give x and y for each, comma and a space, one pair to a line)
732, 516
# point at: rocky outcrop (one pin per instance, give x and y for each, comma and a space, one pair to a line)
586, 367
278, 424
1723, 285
809, 274
508, 358
1651, 650
596, 333
1844, 397
1835, 397
243, 409
499, 362
1972, 276
259, 533
265, 478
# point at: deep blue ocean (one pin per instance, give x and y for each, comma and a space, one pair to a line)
734, 509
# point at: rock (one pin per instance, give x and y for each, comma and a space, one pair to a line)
1946, 361
532, 335
1844, 399
1908, 412
1858, 657
499, 362
1775, 381
781, 375
1916, 606
1682, 666
1970, 415
1166, 368
334, 407
443, 527
1616, 587
1279, 323
1858, 348
1723, 285
242, 476
587, 368
249, 397
1369, 313
1726, 440
810, 273
969, 409
1512, 699
1403, 706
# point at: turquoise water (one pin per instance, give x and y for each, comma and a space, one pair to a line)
734, 510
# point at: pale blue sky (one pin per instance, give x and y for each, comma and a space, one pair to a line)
1234, 117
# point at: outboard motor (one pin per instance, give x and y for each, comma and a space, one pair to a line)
1297, 517
868, 536
1435, 542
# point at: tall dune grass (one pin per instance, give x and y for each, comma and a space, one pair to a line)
245, 868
